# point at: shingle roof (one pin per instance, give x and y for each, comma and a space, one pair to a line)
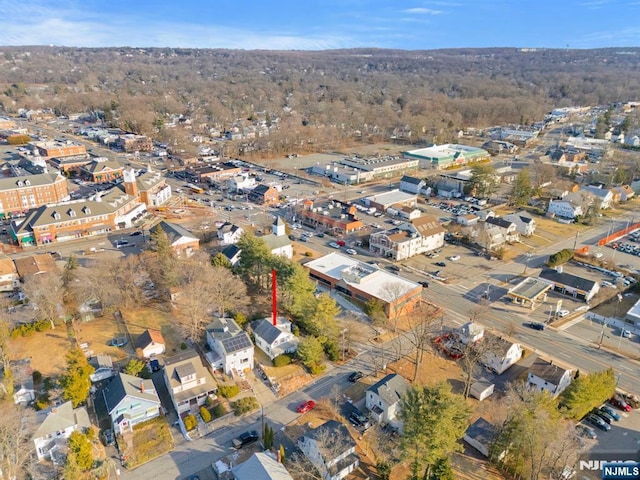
10, 183
334, 430
35, 264
547, 371
427, 225
482, 431
569, 280
174, 231
149, 337
412, 180
227, 332
62, 417
124, 385
390, 388
261, 466
499, 222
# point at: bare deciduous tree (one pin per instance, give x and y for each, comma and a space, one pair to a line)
392, 292
16, 446
45, 291
421, 329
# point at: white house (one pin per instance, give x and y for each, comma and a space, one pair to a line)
23, 388
383, 398
9, 279
564, 209
232, 253
261, 466
130, 400
481, 435
545, 375
277, 241
188, 381
57, 424
502, 354
421, 235
505, 227
241, 183
467, 220
331, 449
273, 339
150, 342
232, 345
411, 184
602, 194
229, 234
525, 225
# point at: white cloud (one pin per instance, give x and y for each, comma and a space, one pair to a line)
423, 11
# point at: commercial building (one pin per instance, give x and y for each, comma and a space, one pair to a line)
364, 282
20, 194
102, 170
424, 234
530, 291
57, 148
572, 285
333, 216
447, 155
392, 198
134, 143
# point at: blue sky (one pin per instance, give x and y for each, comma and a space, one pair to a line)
321, 24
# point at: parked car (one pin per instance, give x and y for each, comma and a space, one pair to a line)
585, 431
306, 406
454, 258
119, 341
596, 421
440, 264
563, 313
107, 437
620, 403
424, 284
351, 251
136, 233
100, 374
334, 245
611, 412
534, 325
358, 419
631, 400
625, 333
245, 439
355, 376
603, 415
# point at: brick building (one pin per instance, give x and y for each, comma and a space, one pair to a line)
59, 149
134, 143
332, 216
20, 194
102, 170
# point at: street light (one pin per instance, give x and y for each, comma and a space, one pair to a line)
344, 330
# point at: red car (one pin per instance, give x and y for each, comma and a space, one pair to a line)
621, 404
306, 406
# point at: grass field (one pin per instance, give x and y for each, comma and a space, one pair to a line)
140, 319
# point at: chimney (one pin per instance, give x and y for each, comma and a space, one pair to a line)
142, 386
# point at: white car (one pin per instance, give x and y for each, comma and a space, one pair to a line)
563, 313
351, 251
334, 245
100, 374
626, 333
454, 258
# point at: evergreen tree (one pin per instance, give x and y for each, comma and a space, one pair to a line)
75, 381
219, 260
310, 352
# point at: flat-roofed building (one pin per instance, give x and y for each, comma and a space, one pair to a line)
333, 216
392, 198
442, 156
365, 282
529, 291
130, 142
55, 148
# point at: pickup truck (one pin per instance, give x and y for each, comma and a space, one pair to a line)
245, 439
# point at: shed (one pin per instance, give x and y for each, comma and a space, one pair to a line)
480, 435
481, 389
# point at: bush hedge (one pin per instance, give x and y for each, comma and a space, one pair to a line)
190, 422
27, 329
205, 414
281, 360
245, 405
558, 258
219, 411
228, 391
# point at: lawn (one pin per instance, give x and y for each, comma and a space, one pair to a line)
149, 440
45, 349
140, 319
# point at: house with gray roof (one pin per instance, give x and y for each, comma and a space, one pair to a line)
182, 241
232, 344
277, 241
331, 449
232, 253
262, 466
275, 339
129, 401
567, 284
525, 225
383, 399
545, 375
56, 425
188, 380
411, 184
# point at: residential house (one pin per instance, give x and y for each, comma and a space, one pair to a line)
505, 227
544, 375
421, 235
232, 345
232, 253
564, 209
412, 184
264, 195
604, 196
35, 265
467, 220
183, 242
9, 279
228, 233
408, 213
501, 354
277, 241
24, 391
481, 435
625, 193
331, 449
56, 425
275, 339
150, 343
241, 183
572, 285
525, 225
129, 401
261, 466
364, 282
383, 399
188, 381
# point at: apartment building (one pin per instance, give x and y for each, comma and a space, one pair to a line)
20, 194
